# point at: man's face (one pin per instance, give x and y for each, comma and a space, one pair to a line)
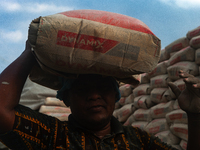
92, 100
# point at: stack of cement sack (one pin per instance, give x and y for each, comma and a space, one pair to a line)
44, 99
55, 108
152, 106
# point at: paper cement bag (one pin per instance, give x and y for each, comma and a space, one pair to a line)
117, 105
180, 84
33, 95
197, 56
180, 130
140, 124
54, 109
142, 89
195, 42
160, 110
159, 70
186, 66
130, 120
126, 100
145, 78
176, 105
125, 90
186, 54
176, 116
53, 101
163, 55
177, 45
124, 112
168, 137
159, 81
183, 145
157, 125
157, 94
143, 101
142, 115
93, 42
194, 32
167, 96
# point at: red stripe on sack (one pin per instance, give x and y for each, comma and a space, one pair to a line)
110, 18
86, 42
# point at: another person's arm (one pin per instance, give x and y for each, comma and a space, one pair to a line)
12, 80
189, 101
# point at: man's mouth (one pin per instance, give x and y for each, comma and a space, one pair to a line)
96, 108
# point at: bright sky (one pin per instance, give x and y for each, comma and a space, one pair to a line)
168, 19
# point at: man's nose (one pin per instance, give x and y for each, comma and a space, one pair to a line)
94, 94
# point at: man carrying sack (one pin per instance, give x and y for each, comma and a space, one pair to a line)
91, 125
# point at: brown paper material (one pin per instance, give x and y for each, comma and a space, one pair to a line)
70, 44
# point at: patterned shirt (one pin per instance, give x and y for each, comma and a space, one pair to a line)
34, 131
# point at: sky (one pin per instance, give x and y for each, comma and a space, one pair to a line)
169, 20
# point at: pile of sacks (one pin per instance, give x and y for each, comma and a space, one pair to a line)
55, 108
152, 106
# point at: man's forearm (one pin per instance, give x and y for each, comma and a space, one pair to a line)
12, 80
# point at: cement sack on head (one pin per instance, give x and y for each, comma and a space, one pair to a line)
176, 116
159, 81
183, 144
186, 54
124, 112
130, 120
140, 124
160, 110
157, 94
93, 42
54, 109
160, 69
194, 32
197, 56
195, 42
60, 116
142, 115
143, 101
163, 55
125, 90
53, 101
156, 126
33, 95
177, 45
142, 89
180, 130
186, 66
145, 79
168, 137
